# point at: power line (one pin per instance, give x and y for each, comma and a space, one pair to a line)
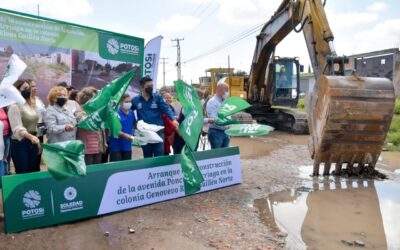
202, 21
228, 43
199, 14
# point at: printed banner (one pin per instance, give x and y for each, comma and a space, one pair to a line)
152, 58
56, 51
38, 200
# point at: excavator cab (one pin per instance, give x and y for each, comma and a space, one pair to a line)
286, 82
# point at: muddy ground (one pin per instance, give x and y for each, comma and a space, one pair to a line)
256, 214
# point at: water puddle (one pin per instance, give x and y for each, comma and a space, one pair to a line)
333, 213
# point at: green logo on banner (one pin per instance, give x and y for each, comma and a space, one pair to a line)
121, 48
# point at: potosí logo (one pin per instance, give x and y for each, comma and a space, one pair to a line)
114, 47
70, 194
31, 200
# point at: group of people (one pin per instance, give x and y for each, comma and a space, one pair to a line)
26, 126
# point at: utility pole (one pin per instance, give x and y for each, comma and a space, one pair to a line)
38, 12
163, 62
178, 63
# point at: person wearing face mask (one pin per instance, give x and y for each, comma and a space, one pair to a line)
60, 122
216, 134
150, 107
40, 110
25, 145
95, 141
121, 147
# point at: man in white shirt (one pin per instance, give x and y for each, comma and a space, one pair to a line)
216, 134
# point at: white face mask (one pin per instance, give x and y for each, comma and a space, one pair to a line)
127, 105
226, 95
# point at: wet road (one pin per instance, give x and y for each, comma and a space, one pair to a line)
277, 206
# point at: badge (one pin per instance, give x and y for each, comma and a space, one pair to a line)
139, 106
154, 105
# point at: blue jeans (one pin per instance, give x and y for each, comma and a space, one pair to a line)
154, 149
218, 138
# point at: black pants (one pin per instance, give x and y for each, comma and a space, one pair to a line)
25, 156
121, 156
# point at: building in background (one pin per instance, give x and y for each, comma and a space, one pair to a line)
382, 63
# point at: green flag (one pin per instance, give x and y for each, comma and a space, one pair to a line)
231, 106
65, 159
225, 121
191, 127
249, 130
102, 108
192, 177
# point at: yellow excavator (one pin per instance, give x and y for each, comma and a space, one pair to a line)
348, 117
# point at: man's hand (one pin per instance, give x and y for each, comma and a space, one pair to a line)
210, 120
176, 124
69, 127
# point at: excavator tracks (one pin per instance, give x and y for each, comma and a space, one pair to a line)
348, 119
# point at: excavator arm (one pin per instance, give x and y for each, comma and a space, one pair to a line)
348, 116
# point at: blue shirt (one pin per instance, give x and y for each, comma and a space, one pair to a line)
151, 111
121, 144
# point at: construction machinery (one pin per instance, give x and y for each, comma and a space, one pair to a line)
348, 116
237, 83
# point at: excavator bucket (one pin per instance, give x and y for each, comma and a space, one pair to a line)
348, 119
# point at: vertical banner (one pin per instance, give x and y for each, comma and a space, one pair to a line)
151, 59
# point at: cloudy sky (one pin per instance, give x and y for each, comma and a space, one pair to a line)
215, 25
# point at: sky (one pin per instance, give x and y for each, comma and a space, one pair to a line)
207, 25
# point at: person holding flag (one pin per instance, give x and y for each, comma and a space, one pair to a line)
216, 134
121, 147
150, 107
23, 122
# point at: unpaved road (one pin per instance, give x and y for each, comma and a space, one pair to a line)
236, 217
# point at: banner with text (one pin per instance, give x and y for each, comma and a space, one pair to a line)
56, 51
37, 199
151, 59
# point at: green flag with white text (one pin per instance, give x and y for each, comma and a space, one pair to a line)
102, 108
65, 159
231, 106
249, 130
191, 127
225, 121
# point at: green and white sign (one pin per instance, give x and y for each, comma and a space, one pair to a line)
57, 51
38, 200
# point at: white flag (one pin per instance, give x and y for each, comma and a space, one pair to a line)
15, 68
151, 59
8, 93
